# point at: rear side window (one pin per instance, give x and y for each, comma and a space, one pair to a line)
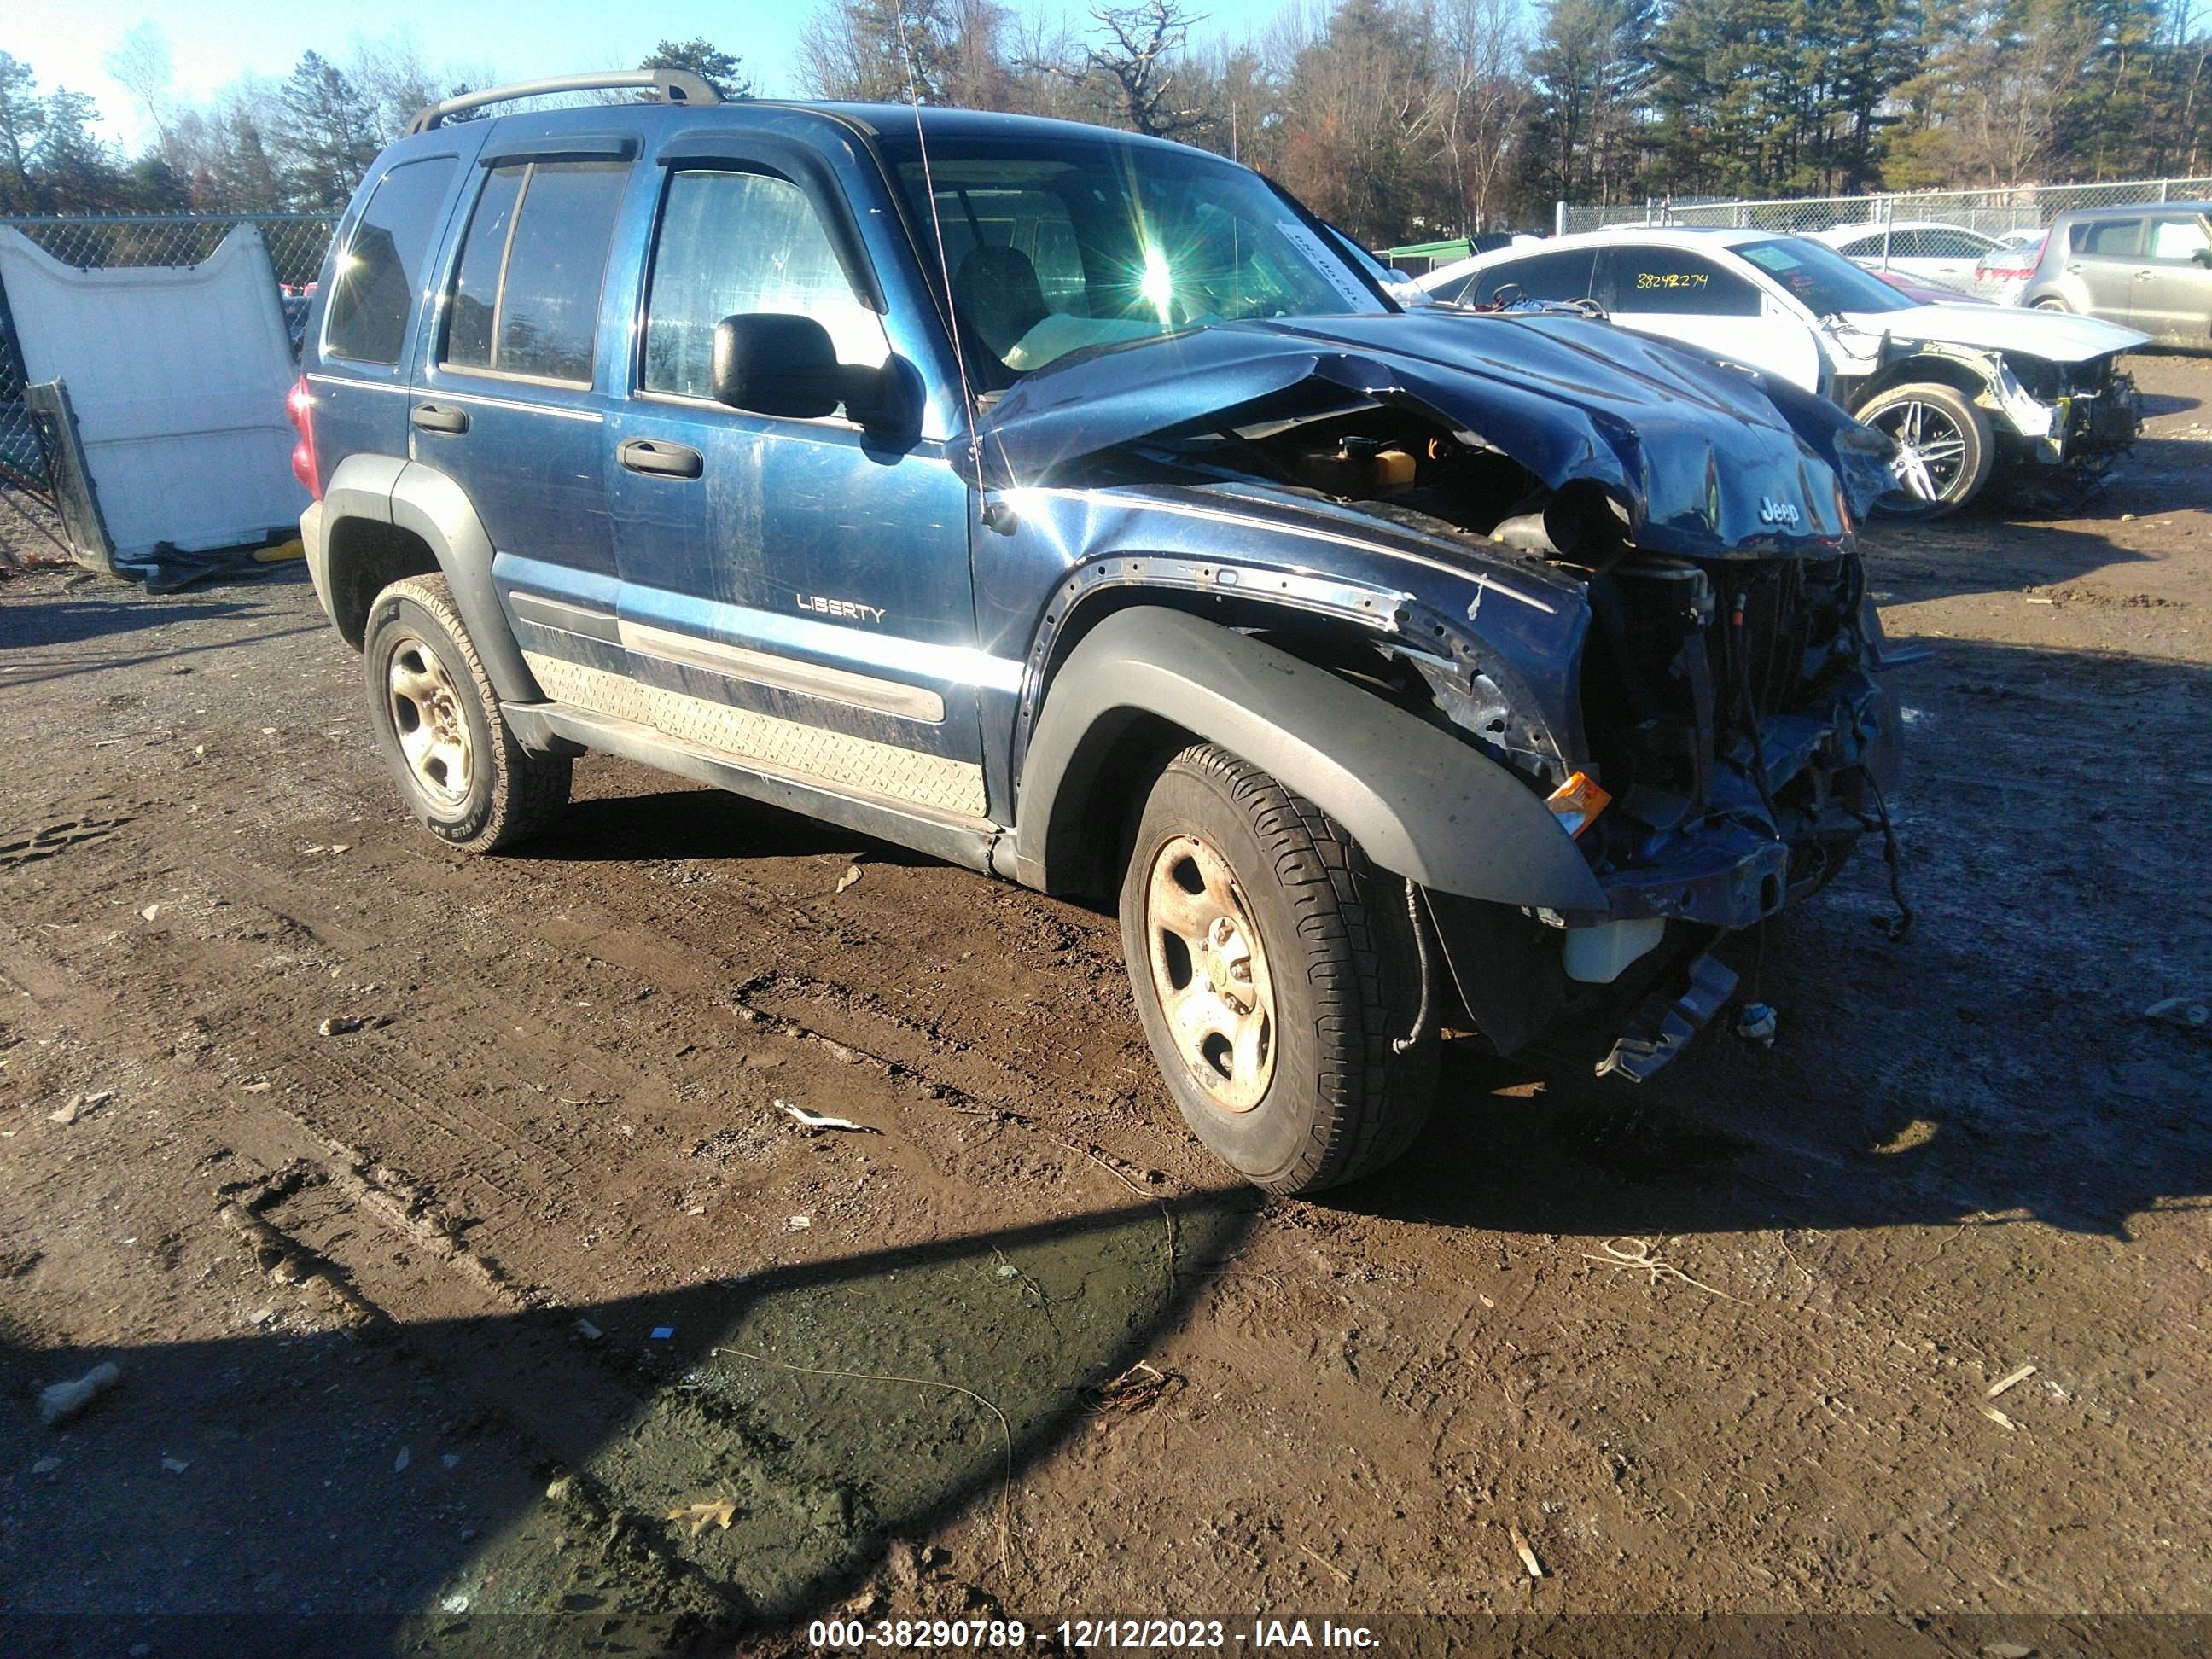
733, 242
373, 283
1553, 278
1674, 281
2110, 238
526, 297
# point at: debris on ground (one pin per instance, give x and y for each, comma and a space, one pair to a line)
1998, 1417
149, 913
2008, 1380
799, 1224
1757, 1023
721, 1511
399, 1463
664, 1333
80, 1105
807, 1119
60, 1401
588, 1331
1139, 1387
340, 1024
176, 1465
47, 1465
852, 874
1527, 1555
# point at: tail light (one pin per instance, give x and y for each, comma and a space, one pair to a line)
300, 407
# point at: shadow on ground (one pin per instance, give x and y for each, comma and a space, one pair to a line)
817, 1412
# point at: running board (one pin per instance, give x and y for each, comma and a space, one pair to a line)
563, 728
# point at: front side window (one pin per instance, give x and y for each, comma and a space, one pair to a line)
525, 299
373, 283
1955, 245
732, 242
1674, 281
2180, 241
1057, 245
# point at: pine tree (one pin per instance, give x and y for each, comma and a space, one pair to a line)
22, 119
722, 71
328, 131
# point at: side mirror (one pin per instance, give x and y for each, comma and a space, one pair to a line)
769, 362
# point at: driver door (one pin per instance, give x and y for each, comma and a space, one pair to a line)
793, 592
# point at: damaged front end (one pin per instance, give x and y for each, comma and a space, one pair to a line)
1698, 698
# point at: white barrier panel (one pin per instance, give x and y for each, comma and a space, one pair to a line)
178, 375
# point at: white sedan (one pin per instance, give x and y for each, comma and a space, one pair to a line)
1960, 387
1925, 250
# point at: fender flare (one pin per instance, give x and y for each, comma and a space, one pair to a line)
1420, 802
428, 504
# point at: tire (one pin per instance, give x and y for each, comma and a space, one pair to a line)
2052, 305
1317, 942
437, 720
1943, 417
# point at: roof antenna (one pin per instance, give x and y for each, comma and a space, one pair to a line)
988, 511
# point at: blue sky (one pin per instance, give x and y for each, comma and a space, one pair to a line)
214, 41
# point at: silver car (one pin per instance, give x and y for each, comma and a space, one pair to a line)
2148, 266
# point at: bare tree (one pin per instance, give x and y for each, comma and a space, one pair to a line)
1138, 59
1481, 45
141, 63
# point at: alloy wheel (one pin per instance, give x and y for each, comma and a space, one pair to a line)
428, 714
1210, 972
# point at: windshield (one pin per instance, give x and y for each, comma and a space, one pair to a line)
1057, 244
1820, 279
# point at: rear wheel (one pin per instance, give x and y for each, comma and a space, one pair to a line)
438, 721
1941, 433
1274, 972
2050, 304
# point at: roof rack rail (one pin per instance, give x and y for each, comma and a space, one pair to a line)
674, 86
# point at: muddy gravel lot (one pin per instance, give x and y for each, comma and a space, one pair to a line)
460, 1263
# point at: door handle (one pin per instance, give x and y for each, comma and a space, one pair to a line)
660, 460
438, 417
2073, 270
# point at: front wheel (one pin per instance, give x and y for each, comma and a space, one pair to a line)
438, 722
1941, 434
1276, 973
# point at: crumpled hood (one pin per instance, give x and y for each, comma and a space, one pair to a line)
2057, 337
1706, 458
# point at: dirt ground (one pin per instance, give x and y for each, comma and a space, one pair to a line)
444, 1315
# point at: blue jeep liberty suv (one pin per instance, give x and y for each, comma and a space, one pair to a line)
1079, 508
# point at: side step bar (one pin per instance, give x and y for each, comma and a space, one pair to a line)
561, 728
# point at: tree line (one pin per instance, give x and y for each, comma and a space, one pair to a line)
1400, 119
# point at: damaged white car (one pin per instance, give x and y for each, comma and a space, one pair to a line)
1962, 389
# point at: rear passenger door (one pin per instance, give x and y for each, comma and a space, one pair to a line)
2107, 254
357, 370
795, 592
2173, 297
508, 403
1685, 296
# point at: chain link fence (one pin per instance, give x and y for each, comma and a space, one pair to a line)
296, 242
1992, 212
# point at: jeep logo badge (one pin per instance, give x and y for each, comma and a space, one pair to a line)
1773, 511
